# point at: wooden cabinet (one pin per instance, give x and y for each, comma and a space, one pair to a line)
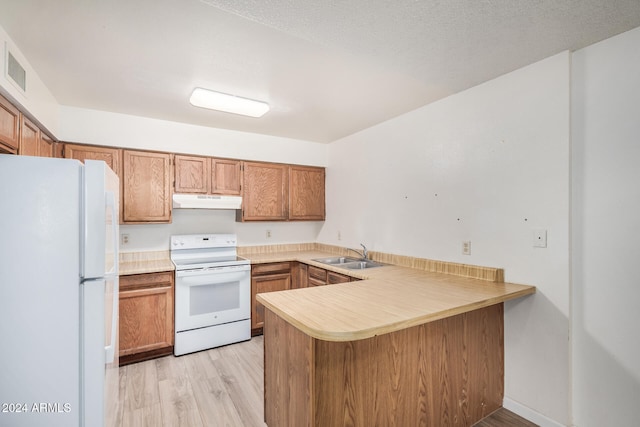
146, 316
29, 137
277, 192
192, 174
226, 177
306, 193
146, 187
111, 156
9, 127
264, 192
319, 277
45, 146
34, 142
205, 175
266, 278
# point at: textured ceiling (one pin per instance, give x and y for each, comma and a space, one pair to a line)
328, 68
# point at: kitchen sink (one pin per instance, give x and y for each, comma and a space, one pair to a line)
349, 263
336, 260
361, 264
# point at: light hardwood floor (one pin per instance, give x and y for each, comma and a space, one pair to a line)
218, 387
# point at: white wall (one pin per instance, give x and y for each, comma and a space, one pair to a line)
606, 224
112, 129
36, 101
487, 165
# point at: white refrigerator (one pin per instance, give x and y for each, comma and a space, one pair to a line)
58, 292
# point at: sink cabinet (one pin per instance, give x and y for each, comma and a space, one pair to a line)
146, 316
266, 278
319, 277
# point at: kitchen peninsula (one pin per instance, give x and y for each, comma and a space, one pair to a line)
404, 346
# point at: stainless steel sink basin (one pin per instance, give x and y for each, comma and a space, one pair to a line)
349, 263
360, 264
336, 260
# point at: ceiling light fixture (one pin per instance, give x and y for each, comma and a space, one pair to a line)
228, 103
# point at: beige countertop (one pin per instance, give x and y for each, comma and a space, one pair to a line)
388, 299
145, 262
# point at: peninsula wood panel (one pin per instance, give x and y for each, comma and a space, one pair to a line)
146, 186
443, 373
9, 127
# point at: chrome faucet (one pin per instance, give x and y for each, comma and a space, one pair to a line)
364, 254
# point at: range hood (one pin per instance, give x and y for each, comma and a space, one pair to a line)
201, 201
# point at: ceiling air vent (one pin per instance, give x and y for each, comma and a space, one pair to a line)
15, 72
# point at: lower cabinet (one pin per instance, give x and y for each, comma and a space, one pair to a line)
317, 276
266, 278
146, 316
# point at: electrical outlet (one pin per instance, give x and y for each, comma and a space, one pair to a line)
466, 247
124, 239
539, 238
339, 236
268, 234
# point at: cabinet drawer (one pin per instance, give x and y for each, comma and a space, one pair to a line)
147, 280
316, 282
333, 278
271, 268
318, 273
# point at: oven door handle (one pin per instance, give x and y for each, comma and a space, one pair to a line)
208, 278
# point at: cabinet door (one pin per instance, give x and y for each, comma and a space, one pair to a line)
9, 127
29, 138
316, 276
306, 193
192, 174
262, 284
264, 192
111, 156
146, 187
45, 147
225, 176
146, 315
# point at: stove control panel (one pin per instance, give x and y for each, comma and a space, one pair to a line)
202, 241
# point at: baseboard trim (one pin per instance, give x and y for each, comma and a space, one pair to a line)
529, 414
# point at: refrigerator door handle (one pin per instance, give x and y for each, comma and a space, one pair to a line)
110, 350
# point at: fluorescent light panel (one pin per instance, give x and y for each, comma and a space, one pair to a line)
228, 103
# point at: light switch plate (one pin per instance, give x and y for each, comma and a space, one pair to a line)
539, 238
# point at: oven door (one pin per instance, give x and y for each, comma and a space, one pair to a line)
212, 296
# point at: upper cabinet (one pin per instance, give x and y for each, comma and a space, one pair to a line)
277, 192
306, 193
111, 156
226, 177
205, 175
29, 137
264, 192
146, 187
9, 127
45, 146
